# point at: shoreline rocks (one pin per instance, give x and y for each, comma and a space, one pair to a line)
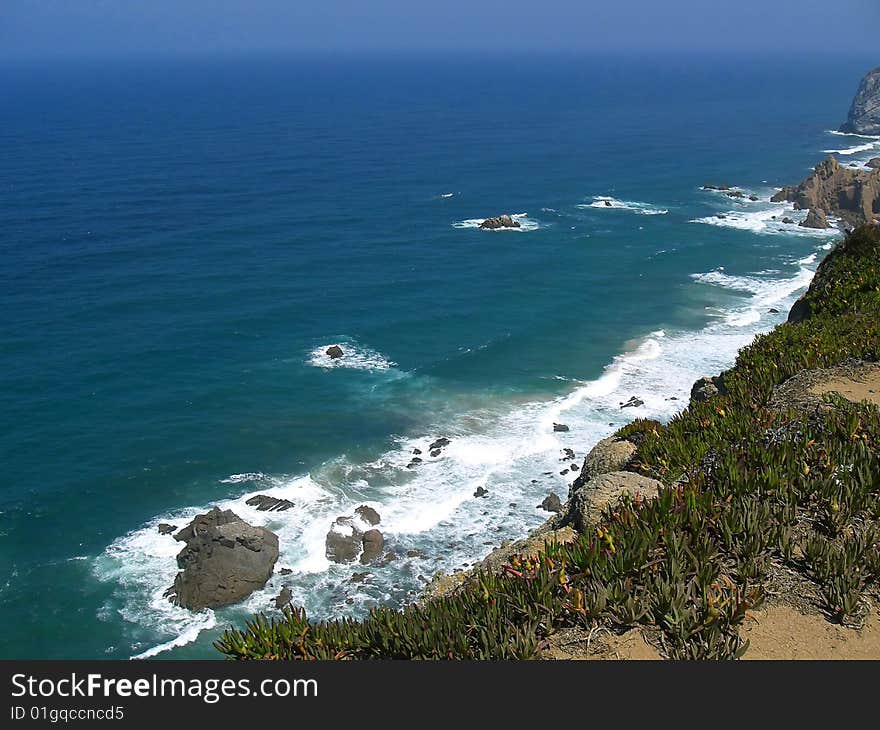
850, 194
353, 537
225, 560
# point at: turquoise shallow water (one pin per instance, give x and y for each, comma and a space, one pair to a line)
180, 241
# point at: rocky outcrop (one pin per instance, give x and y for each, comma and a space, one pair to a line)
265, 503
551, 503
706, 388
864, 113
353, 537
334, 352
560, 427
610, 454
166, 529
850, 194
283, 598
587, 503
815, 219
501, 221
633, 402
224, 561
873, 163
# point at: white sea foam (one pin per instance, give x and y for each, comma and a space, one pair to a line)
605, 202
867, 147
525, 223
429, 516
356, 357
838, 133
767, 220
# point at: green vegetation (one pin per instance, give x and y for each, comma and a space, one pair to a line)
754, 492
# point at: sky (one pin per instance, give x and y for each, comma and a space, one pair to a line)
65, 28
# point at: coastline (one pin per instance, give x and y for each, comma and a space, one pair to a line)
748, 482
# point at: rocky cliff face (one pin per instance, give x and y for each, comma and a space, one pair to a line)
864, 114
848, 193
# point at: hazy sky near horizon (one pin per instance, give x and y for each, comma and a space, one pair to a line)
45, 28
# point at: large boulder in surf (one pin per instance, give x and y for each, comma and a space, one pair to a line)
225, 560
501, 221
815, 219
354, 537
864, 112
334, 352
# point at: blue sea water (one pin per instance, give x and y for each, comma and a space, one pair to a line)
181, 241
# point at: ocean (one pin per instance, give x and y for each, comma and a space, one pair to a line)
182, 240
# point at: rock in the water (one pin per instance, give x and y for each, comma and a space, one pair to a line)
480, 492
864, 113
815, 219
567, 454
736, 194
787, 220
368, 515
440, 443
415, 461
373, 544
608, 204
166, 529
285, 571
633, 402
349, 537
334, 352
753, 198
501, 221
344, 542
873, 163
772, 310
283, 598
551, 503
417, 452
587, 502
225, 560
265, 503
560, 427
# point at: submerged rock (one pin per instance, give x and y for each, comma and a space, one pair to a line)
225, 560
560, 427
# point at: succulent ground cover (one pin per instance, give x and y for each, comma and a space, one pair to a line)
758, 498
